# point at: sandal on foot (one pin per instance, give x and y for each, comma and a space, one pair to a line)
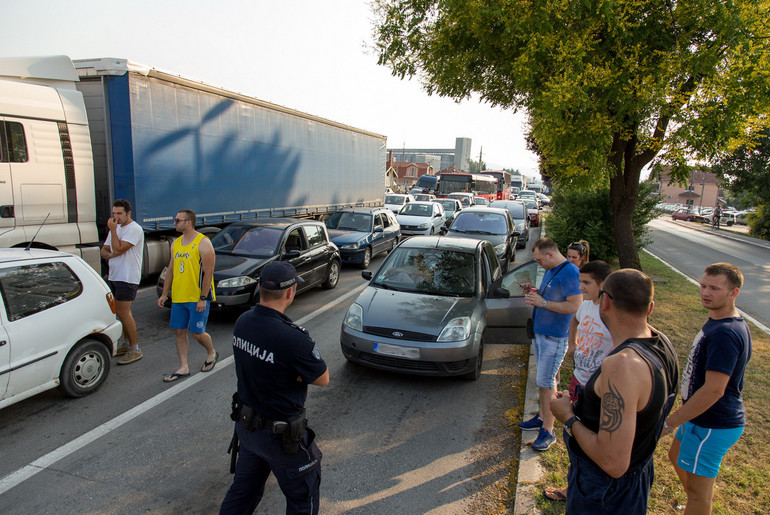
554, 494
208, 366
174, 377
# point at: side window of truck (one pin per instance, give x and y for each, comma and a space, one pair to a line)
13, 144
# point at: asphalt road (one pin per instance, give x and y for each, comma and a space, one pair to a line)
392, 443
691, 249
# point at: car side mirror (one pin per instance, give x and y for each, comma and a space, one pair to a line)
291, 254
501, 292
443, 230
378, 229
367, 274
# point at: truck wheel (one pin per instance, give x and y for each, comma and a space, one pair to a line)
85, 368
209, 231
333, 277
367, 258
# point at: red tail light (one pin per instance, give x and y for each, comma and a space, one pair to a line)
111, 302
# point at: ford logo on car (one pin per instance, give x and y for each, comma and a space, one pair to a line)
398, 334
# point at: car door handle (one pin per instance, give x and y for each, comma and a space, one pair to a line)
3, 342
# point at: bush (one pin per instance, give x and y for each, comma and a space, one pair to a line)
759, 223
580, 214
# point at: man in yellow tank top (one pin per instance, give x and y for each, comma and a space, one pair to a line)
190, 277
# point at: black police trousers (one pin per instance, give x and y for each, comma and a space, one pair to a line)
261, 453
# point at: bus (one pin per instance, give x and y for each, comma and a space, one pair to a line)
503, 183
480, 185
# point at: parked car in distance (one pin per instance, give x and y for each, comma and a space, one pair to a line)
421, 218
480, 201
528, 195
533, 211
363, 232
396, 201
427, 309
452, 207
424, 197
520, 217
544, 199
466, 199
683, 214
57, 316
244, 248
491, 224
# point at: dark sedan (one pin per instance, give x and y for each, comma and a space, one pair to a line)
363, 232
491, 224
520, 218
244, 248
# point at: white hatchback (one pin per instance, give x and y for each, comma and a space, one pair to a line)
57, 325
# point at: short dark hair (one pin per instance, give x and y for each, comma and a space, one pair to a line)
630, 290
545, 245
190, 215
121, 202
598, 270
269, 295
733, 274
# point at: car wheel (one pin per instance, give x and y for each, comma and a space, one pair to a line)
476, 373
367, 258
333, 277
85, 368
393, 244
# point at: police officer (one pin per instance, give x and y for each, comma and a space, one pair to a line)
275, 360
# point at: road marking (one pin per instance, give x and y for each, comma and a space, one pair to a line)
20, 475
748, 317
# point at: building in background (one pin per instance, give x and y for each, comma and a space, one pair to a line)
438, 158
702, 190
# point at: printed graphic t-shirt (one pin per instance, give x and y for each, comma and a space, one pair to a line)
593, 341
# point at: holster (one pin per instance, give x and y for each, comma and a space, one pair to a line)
293, 437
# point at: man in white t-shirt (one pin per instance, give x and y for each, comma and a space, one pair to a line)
123, 250
589, 340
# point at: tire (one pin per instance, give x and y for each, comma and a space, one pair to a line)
85, 369
333, 276
393, 244
476, 373
367, 258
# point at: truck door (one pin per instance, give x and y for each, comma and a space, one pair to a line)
7, 218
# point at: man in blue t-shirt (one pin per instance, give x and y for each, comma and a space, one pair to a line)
557, 300
712, 415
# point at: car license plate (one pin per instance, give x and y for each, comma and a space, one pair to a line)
395, 350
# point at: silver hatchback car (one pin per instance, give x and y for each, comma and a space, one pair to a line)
428, 308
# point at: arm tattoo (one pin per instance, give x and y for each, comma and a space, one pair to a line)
612, 410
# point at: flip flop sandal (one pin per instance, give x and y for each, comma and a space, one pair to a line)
554, 494
174, 377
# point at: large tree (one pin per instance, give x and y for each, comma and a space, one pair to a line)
608, 85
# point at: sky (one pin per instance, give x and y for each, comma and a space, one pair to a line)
311, 55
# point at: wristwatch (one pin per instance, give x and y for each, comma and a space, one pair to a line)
568, 424
203, 297
545, 302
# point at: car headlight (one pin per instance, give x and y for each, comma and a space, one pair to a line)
236, 282
500, 249
424, 226
354, 318
162, 277
457, 330
352, 246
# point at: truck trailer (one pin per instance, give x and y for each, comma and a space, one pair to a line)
76, 135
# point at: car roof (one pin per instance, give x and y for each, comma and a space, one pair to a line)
19, 254
467, 194
441, 242
367, 210
275, 222
486, 210
421, 203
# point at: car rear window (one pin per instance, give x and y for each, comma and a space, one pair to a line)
30, 289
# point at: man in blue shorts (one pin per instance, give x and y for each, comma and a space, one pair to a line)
557, 300
712, 416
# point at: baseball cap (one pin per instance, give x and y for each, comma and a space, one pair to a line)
278, 275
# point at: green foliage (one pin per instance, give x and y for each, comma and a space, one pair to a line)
473, 166
747, 169
585, 214
759, 223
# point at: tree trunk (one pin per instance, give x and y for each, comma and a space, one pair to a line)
624, 192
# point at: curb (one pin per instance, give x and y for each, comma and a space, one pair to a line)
530, 469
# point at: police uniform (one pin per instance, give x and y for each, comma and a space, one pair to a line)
271, 353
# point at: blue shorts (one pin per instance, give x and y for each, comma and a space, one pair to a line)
184, 316
549, 353
702, 448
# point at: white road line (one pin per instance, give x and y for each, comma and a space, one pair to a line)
748, 317
20, 475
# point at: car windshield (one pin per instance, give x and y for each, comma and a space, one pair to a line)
394, 199
515, 208
422, 196
449, 205
480, 223
430, 271
248, 240
531, 204
481, 201
359, 222
417, 210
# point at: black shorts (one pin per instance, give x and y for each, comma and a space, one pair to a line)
123, 291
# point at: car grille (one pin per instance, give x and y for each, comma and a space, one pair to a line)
409, 227
408, 364
407, 335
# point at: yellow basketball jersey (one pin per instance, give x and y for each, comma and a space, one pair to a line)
188, 272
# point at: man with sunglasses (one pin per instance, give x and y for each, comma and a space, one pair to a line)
612, 430
554, 304
190, 277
